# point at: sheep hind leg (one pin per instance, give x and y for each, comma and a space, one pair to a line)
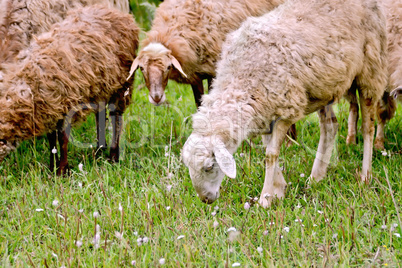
385, 111
198, 91
353, 115
117, 123
368, 116
274, 184
328, 130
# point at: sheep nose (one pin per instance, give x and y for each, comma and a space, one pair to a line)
209, 198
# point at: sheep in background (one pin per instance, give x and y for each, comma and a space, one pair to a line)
20, 20
186, 39
309, 54
84, 59
387, 104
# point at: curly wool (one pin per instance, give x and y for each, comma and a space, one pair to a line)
195, 30
20, 20
304, 63
84, 59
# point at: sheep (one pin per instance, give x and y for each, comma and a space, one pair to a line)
309, 54
387, 105
186, 39
20, 20
81, 60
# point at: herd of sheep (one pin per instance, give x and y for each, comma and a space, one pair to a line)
269, 63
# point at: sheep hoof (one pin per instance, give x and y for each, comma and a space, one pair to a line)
379, 144
351, 140
265, 202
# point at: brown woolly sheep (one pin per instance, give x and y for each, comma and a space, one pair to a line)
309, 54
20, 20
186, 39
84, 59
387, 105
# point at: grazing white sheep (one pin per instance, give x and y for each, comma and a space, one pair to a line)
387, 105
186, 39
275, 70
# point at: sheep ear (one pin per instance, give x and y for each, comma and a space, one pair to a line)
396, 92
177, 65
134, 67
225, 161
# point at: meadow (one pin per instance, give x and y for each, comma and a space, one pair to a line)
144, 212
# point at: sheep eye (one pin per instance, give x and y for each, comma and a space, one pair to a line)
209, 168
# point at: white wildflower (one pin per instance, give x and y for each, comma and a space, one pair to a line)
96, 214
167, 208
39, 209
213, 213
215, 224
166, 154
81, 167
162, 261
384, 153
78, 243
265, 232
271, 223
80, 184
54, 255
286, 229
216, 207
319, 212
180, 237
166, 148
135, 233
397, 234
247, 206
60, 216
314, 225
168, 187
133, 263
54, 150
118, 235
383, 226
236, 264
298, 206
170, 175
145, 240
259, 249
255, 199
232, 229
55, 203
81, 210
298, 220
139, 241
302, 175
241, 155
120, 208
334, 236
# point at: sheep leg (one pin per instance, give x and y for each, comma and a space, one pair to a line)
117, 123
63, 134
101, 125
328, 130
368, 116
353, 115
198, 91
52, 138
274, 184
385, 111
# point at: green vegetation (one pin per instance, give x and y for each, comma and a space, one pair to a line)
145, 210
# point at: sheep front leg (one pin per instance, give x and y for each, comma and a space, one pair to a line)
328, 130
117, 123
101, 125
368, 116
274, 184
52, 138
198, 91
63, 134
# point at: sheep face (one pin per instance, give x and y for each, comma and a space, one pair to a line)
157, 65
208, 162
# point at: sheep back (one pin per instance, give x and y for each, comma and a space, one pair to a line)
195, 30
309, 53
84, 59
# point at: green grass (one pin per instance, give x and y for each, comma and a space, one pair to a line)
341, 218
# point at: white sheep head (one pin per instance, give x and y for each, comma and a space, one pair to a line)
157, 64
208, 161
